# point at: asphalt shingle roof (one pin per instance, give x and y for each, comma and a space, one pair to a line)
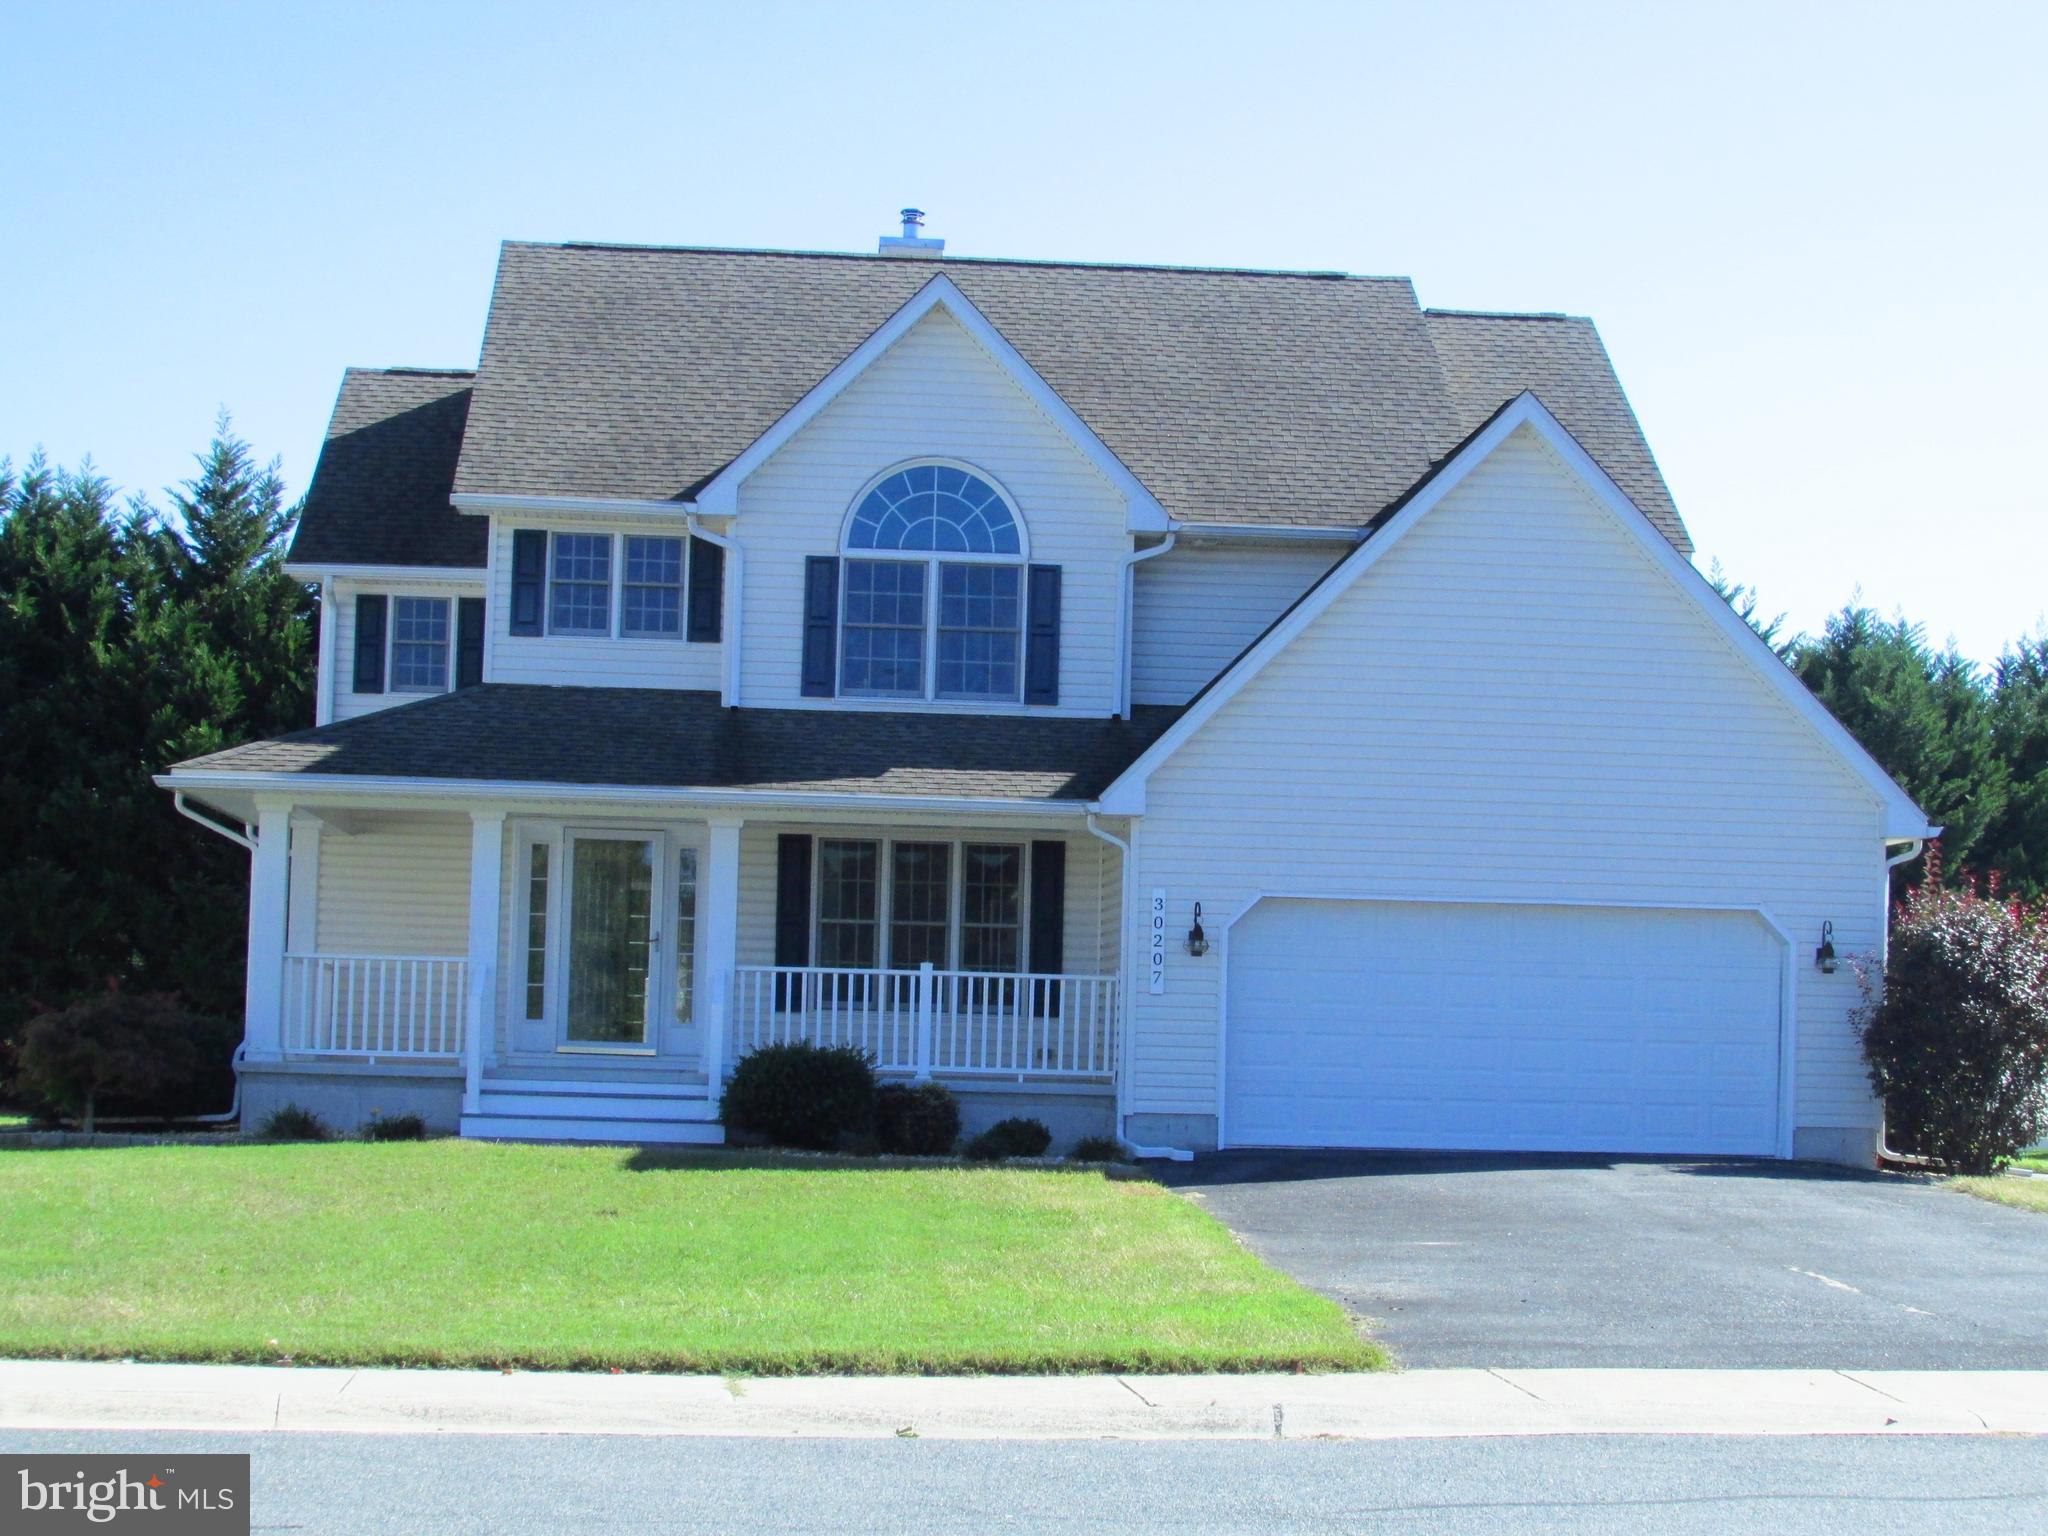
1490, 358
644, 737
379, 494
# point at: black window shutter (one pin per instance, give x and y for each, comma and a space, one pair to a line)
707, 591
1042, 637
821, 625
469, 642
370, 612
792, 912
1048, 921
529, 579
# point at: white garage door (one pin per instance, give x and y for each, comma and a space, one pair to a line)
1564, 1029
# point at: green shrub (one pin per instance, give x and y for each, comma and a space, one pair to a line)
1016, 1137
1956, 1035
293, 1122
917, 1119
1100, 1149
395, 1128
111, 1046
815, 1097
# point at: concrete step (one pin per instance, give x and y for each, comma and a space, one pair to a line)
495, 1082
595, 1106
488, 1127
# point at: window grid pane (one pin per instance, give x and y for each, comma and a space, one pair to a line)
686, 935
580, 591
920, 884
537, 932
991, 907
419, 644
935, 507
848, 895
882, 639
980, 615
652, 600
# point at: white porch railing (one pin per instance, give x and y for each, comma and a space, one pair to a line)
374, 1005
927, 1021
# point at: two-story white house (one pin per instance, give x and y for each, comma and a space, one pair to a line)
1223, 708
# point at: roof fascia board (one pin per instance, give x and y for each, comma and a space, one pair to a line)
720, 496
483, 503
1902, 818
303, 787
1260, 533
456, 575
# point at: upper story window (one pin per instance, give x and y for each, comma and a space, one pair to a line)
630, 585
947, 621
580, 584
419, 644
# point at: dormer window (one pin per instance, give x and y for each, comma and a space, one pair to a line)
947, 622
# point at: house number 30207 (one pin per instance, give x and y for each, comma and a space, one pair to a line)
1155, 942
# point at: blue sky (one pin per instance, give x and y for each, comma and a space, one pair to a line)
1811, 236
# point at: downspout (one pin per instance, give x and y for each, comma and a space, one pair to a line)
1130, 605
1885, 1154
1123, 990
735, 568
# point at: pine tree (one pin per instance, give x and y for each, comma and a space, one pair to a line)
2019, 712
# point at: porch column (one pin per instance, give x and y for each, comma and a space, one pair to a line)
718, 938
270, 878
486, 898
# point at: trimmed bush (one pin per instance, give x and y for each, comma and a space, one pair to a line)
1099, 1149
1015, 1137
917, 1119
109, 1046
815, 1097
1956, 1035
294, 1122
395, 1128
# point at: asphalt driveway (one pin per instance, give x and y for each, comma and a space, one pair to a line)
1524, 1261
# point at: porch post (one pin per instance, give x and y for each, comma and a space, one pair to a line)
270, 878
486, 897
718, 939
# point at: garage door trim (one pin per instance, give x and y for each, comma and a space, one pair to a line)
1788, 1013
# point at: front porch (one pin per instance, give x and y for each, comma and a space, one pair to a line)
612, 968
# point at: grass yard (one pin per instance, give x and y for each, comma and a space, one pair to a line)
2025, 1194
459, 1253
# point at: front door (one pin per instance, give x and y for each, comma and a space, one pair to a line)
614, 942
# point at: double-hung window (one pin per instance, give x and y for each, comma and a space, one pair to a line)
419, 644
947, 621
580, 585
899, 905
651, 600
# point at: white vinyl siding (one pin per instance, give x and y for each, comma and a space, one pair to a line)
935, 393
591, 661
1194, 609
347, 703
1515, 703
398, 888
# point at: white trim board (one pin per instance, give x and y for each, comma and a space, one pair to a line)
1901, 817
1143, 513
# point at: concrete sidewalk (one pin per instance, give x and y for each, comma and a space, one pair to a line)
84, 1395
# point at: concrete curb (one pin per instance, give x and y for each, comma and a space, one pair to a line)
94, 1395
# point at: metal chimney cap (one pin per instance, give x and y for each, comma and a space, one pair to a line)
912, 241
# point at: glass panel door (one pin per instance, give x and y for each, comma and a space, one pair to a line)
611, 940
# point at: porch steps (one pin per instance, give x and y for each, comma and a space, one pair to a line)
520, 1110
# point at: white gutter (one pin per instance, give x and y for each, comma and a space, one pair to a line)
1123, 991
567, 506
1129, 599
735, 568
308, 787
178, 803
1259, 532
414, 575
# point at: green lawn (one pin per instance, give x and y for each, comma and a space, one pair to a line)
462, 1253
2026, 1194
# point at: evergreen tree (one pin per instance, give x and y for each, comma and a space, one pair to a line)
1744, 601
2018, 840
1925, 717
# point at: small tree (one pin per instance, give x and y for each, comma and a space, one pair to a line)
113, 1044
1956, 1031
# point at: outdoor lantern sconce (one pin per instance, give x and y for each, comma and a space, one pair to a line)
1824, 957
1198, 941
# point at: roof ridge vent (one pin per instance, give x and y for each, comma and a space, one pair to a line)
912, 241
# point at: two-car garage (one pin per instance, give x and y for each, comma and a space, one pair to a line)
1449, 1025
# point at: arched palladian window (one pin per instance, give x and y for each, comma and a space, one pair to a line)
933, 605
